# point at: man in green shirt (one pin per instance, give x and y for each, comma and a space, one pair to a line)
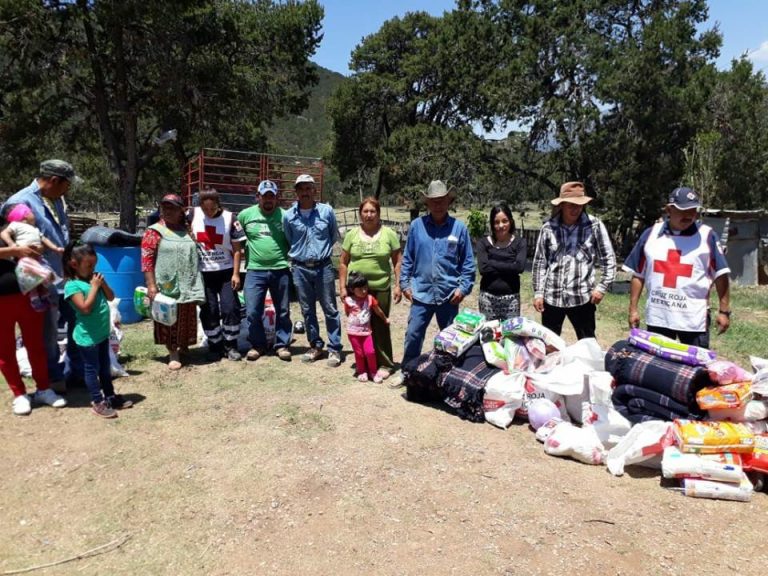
266, 251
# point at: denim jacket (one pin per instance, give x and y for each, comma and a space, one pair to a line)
437, 260
56, 232
312, 238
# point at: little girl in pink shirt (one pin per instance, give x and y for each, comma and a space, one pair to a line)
358, 307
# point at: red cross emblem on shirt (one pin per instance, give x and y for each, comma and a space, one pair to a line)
209, 238
672, 268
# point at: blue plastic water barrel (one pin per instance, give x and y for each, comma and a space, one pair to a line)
121, 267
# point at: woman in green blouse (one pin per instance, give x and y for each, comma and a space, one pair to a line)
373, 250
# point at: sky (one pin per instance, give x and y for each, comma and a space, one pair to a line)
743, 23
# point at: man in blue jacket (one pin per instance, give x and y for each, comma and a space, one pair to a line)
45, 197
438, 268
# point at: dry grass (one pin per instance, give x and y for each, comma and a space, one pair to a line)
283, 468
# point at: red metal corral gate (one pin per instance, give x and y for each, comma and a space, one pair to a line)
236, 175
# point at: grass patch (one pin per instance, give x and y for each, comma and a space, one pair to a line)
296, 420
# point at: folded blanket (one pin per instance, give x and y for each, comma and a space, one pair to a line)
640, 404
630, 365
464, 384
426, 372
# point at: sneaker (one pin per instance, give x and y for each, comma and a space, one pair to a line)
396, 382
103, 409
362, 377
21, 405
119, 402
334, 359
312, 354
50, 398
253, 354
284, 354
234, 355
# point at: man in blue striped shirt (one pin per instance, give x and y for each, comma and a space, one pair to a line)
571, 245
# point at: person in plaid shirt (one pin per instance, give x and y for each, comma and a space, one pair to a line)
570, 246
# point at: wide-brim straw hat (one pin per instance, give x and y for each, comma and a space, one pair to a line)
572, 192
438, 189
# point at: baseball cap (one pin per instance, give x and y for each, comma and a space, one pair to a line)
57, 168
684, 199
304, 178
172, 199
267, 186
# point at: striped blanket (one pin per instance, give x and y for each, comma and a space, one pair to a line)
652, 387
460, 382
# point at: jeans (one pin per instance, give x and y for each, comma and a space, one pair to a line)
96, 370
582, 317
65, 313
221, 303
418, 321
256, 284
318, 285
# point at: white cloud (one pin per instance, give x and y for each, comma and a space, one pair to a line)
759, 55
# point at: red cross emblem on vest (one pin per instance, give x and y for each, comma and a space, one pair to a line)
672, 268
209, 238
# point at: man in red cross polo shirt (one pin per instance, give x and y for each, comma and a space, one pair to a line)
677, 260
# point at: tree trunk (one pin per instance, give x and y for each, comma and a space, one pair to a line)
128, 179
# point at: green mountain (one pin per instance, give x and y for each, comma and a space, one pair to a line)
307, 134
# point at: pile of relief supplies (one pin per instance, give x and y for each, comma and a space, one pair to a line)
647, 400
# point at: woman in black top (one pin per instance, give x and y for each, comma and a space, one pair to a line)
501, 258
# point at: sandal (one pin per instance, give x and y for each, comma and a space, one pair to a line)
362, 377
173, 361
381, 375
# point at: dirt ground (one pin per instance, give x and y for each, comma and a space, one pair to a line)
283, 468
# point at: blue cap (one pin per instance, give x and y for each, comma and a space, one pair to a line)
684, 199
267, 186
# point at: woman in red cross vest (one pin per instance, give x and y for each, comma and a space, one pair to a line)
678, 260
218, 235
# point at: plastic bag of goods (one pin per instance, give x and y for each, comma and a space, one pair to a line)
725, 372
536, 348
600, 386
454, 341
533, 392
31, 273
164, 310
669, 349
503, 396
141, 302
494, 354
490, 330
723, 467
752, 411
546, 431
586, 351
520, 326
609, 425
760, 379
644, 441
698, 488
757, 460
517, 355
723, 397
581, 444
469, 321
711, 437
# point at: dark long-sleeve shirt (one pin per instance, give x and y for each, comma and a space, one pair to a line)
500, 268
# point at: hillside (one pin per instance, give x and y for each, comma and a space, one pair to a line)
307, 134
